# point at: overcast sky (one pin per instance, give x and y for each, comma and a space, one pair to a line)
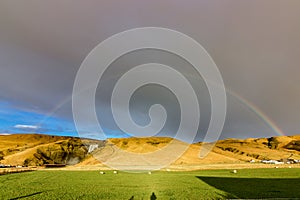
255, 44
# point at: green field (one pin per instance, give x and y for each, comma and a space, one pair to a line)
209, 184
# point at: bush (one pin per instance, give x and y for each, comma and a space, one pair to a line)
1, 155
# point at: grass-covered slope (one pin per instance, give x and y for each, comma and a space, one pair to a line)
37, 149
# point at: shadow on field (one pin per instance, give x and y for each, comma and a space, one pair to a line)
25, 196
152, 197
255, 188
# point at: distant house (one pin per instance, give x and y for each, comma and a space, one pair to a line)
279, 163
276, 162
5, 166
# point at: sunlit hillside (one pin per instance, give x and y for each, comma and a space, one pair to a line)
38, 149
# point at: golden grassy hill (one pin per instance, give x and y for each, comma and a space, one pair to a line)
38, 149
141, 145
276, 148
224, 152
19, 142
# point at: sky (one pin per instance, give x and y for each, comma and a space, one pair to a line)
255, 44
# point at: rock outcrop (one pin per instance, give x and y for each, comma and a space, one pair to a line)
71, 151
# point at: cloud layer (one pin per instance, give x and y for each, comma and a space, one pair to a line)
22, 126
256, 45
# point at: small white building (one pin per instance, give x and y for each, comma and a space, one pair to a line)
276, 162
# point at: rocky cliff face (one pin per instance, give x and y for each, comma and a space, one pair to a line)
71, 151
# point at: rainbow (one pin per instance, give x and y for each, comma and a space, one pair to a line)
249, 105
257, 111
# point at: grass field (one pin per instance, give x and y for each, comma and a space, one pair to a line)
206, 184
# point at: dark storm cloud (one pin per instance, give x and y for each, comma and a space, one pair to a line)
255, 44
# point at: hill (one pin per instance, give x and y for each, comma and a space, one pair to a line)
38, 149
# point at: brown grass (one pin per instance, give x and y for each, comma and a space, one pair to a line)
18, 147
